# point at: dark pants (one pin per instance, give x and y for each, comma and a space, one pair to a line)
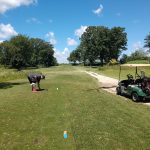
31, 80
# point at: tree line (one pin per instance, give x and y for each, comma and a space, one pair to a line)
21, 51
138, 54
99, 43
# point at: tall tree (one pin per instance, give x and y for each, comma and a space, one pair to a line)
23, 44
21, 51
37, 45
7, 51
117, 42
46, 57
77, 55
42, 53
101, 42
88, 41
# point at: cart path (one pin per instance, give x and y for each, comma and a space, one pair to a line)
108, 84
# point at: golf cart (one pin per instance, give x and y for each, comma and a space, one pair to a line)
137, 88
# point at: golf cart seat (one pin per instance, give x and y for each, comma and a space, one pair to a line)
140, 78
130, 80
146, 85
138, 81
126, 82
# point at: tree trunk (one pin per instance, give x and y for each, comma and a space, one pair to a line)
102, 62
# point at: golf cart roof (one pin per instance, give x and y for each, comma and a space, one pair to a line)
135, 65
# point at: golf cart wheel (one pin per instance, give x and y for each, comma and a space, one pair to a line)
118, 91
135, 97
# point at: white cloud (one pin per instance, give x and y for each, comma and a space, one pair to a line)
80, 31
99, 10
33, 20
51, 37
71, 42
62, 56
137, 45
10, 4
6, 31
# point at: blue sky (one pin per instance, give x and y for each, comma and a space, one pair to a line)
62, 22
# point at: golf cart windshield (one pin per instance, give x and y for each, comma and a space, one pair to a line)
136, 66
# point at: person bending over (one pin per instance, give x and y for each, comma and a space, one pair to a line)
35, 78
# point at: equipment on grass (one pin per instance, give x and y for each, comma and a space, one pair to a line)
65, 135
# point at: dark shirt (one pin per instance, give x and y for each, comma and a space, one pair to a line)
33, 78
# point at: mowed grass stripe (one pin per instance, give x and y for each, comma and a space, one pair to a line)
34, 120
93, 118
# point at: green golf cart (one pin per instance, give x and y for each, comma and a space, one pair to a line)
138, 87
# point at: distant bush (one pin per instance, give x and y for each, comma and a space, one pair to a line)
139, 54
12, 74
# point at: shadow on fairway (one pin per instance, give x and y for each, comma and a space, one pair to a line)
147, 100
101, 87
42, 89
5, 85
108, 87
94, 89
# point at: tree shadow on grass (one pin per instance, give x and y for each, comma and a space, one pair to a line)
102, 87
5, 85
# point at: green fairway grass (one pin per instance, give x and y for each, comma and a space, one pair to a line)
93, 118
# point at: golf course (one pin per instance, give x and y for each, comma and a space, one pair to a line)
72, 101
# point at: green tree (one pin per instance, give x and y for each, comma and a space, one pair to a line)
77, 55
42, 53
21, 51
37, 45
23, 45
7, 51
139, 54
17, 61
88, 41
117, 42
72, 57
102, 43
46, 57
147, 41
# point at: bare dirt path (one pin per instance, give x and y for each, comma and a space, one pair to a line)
108, 84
